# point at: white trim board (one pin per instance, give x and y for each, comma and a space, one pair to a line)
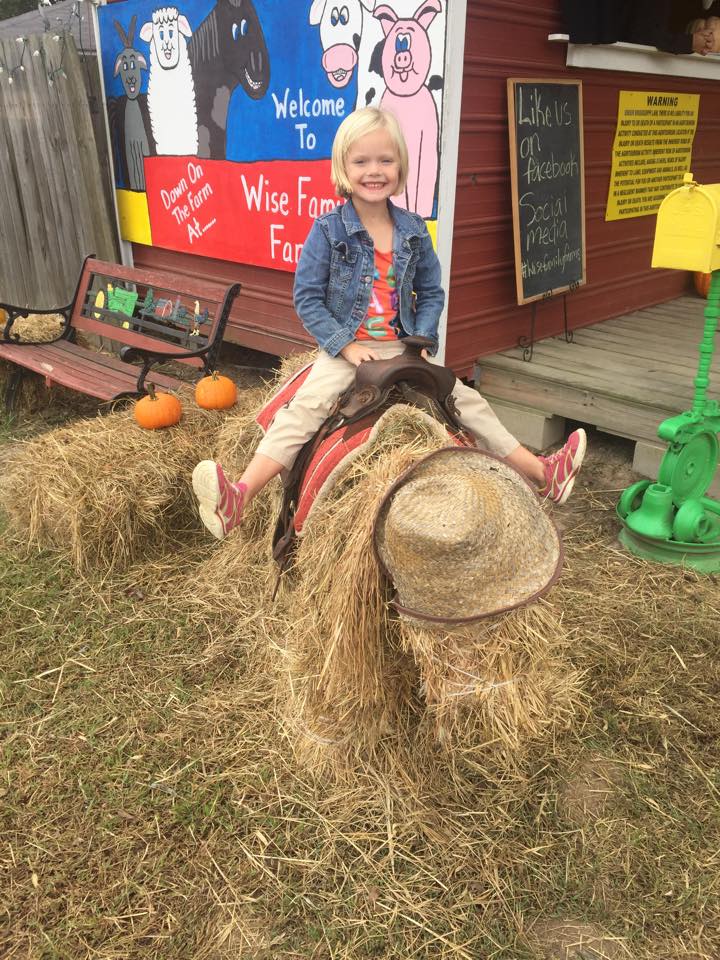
637, 58
453, 81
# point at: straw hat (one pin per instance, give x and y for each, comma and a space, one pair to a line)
462, 536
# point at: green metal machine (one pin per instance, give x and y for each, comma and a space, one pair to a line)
673, 520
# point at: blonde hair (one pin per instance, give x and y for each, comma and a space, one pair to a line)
356, 125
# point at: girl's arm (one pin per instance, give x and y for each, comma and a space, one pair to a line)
310, 291
429, 294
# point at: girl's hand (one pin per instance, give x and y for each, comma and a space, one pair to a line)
424, 354
355, 353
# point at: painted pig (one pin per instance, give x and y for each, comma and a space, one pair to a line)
406, 60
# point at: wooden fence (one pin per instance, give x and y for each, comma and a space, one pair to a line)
55, 204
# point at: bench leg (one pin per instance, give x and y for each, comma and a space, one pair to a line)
12, 391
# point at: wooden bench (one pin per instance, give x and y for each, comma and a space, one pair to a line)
147, 316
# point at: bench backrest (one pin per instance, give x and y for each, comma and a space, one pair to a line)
154, 309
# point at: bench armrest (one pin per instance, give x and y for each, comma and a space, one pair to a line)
13, 312
151, 357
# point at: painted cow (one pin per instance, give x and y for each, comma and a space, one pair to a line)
406, 60
348, 38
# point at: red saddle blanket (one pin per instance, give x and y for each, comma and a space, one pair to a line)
334, 454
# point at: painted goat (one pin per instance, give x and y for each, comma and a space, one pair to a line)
128, 116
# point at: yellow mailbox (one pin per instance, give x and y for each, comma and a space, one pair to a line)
687, 234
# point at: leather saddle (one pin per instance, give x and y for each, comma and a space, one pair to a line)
407, 378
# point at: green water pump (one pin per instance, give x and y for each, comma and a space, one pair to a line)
673, 520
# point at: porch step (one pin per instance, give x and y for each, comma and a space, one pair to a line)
532, 427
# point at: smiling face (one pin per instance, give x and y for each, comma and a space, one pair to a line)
245, 55
340, 31
167, 43
372, 165
129, 64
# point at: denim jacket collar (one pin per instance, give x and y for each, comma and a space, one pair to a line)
402, 222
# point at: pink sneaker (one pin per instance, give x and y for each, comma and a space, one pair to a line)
221, 502
562, 467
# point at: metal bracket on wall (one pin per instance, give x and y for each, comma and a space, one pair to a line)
528, 343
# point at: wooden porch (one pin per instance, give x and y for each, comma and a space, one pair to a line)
622, 376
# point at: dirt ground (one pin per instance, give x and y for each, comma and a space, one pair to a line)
151, 809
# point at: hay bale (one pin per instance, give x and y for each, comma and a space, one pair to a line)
343, 681
103, 492
503, 680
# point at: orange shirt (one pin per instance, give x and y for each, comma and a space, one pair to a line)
380, 323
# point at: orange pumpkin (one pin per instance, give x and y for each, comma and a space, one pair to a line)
702, 283
215, 392
157, 410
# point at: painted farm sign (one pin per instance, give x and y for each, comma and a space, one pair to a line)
222, 113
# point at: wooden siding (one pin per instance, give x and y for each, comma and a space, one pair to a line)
509, 39
504, 39
54, 199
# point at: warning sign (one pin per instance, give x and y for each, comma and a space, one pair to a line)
652, 150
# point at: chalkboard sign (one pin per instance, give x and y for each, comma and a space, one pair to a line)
548, 202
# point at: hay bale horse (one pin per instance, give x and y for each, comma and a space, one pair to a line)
355, 677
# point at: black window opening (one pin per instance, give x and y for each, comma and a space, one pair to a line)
667, 25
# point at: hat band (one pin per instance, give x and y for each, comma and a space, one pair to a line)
458, 621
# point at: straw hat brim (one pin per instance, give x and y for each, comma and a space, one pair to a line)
504, 554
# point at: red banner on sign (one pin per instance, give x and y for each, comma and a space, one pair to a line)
258, 213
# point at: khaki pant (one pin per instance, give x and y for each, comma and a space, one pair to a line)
330, 376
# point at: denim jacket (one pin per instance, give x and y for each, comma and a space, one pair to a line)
334, 277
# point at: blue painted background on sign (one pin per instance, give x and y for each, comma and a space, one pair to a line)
295, 55
256, 129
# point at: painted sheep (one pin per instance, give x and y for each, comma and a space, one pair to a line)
406, 61
227, 50
171, 91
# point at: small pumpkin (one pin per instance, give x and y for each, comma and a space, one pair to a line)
702, 283
157, 410
215, 392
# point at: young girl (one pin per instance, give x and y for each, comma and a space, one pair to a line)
367, 277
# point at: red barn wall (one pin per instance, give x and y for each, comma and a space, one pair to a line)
509, 39
503, 39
